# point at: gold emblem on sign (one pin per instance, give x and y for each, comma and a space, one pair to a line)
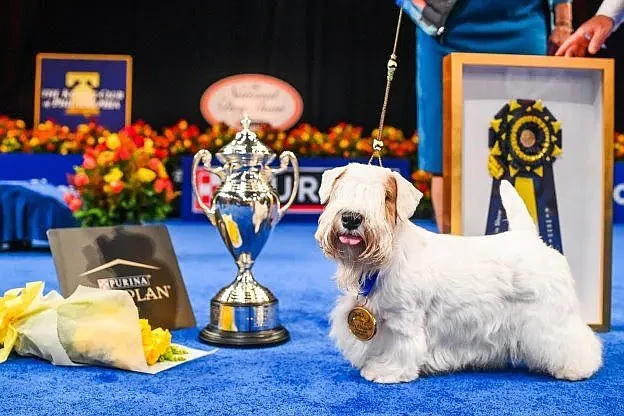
83, 99
362, 323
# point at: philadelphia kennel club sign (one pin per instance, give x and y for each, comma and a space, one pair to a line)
72, 89
137, 259
263, 98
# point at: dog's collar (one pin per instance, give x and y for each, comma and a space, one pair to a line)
369, 282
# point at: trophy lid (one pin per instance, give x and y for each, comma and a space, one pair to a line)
246, 146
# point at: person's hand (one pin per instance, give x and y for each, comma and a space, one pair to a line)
559, 35
590, 36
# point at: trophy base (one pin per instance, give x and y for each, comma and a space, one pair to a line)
265, 338
244, 324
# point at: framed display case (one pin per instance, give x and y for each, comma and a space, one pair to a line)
546, 125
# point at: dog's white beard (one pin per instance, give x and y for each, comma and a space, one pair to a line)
355, 263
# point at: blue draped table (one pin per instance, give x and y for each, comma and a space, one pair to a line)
28, 210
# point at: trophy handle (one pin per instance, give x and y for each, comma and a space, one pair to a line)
206, 157
286, 157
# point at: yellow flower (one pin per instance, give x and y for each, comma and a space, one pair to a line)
113, 142
148, 144
146, 175
114, 174
232, 230
105, 157
13, 305
155, 341
34, 142
20, 124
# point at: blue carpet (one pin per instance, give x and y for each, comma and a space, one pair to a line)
305, 376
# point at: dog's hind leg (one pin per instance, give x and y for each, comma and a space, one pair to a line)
568, 350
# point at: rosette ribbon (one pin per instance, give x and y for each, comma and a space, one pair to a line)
524, 142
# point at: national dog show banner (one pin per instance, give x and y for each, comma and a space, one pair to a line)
73, 89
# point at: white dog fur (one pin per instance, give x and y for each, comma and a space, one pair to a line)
445, 303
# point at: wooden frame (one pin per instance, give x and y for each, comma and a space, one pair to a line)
91, 57
453, 79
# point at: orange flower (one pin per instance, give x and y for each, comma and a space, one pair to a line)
115, 187
81, 179
75, 204
105, 158
161, 185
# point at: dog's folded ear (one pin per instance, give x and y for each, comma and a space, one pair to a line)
408, 197
327, 182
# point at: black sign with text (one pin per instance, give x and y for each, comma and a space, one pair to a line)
137, 259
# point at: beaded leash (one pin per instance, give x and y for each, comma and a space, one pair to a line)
391, 67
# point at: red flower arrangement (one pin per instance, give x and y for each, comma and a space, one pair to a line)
120, 182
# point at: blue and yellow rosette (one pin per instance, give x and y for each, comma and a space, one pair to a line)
524, 141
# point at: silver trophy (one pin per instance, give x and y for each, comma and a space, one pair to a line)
245, 209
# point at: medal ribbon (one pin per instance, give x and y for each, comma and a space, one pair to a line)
368, 284
524, 141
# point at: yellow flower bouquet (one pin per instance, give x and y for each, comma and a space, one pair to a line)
90, 327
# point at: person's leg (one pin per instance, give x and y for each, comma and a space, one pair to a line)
429, 57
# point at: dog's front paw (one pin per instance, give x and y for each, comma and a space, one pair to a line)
573, 374
386, 375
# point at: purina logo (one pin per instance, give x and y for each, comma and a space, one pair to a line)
207, 184
138, 285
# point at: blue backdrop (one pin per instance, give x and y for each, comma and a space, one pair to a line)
53, 168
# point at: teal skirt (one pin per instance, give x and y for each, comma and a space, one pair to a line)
476, 26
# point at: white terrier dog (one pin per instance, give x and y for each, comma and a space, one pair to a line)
444, 303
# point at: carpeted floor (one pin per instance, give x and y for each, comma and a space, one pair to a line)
305, 376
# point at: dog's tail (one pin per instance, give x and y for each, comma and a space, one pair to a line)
518, 215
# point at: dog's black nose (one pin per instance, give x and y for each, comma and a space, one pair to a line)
351, 220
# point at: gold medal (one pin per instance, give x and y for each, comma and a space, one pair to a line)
362, 323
